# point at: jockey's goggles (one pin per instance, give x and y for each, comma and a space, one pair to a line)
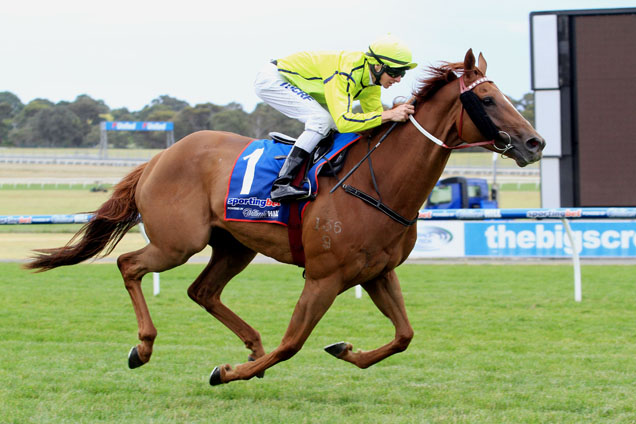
395, 72
392, 72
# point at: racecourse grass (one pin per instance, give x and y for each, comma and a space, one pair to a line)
493, 344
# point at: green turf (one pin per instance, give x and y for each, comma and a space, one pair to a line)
520, 187
492, 344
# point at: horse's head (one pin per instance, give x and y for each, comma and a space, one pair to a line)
487, 114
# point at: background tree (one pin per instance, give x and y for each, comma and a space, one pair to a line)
233, 119
170, 103
10, 106
23, 132
5, 123
12, 101
191, 119
31, 109
57, 126
88, 111
266, 119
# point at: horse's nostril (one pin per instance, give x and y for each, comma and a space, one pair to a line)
535, 144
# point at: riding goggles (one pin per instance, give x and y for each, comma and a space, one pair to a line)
395, 72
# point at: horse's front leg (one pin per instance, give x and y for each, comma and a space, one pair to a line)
229, 257
386, 293
315, 300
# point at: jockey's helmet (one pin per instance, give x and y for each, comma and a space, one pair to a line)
391, 52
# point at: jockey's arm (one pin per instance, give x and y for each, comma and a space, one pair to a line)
340, 103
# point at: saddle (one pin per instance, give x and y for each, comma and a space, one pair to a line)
256, 168
333, 165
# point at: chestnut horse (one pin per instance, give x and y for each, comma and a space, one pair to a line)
180, 194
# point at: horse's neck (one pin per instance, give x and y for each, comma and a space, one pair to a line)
412, 164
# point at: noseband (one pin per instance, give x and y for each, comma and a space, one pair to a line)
475, 109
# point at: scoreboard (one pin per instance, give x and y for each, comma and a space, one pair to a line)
583, 64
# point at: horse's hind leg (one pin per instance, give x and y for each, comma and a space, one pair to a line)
229, 257
386, 294
133, 266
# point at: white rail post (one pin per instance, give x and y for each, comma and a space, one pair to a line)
575, 261
155, 275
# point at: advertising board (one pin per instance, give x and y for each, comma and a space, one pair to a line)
138, 126
546, 238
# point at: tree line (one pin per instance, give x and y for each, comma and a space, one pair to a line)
42, 123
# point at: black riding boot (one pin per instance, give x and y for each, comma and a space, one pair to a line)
282, 190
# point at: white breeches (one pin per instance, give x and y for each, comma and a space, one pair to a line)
294, 103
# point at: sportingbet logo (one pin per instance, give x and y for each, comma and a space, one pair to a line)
252, 201
499, 237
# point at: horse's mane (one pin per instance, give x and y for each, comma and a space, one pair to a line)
436, 77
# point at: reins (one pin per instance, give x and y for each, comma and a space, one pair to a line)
343, 179
376, 203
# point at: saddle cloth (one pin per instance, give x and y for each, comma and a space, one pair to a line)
254, 172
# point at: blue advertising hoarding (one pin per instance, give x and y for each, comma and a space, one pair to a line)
509, 238
138, 126
549, 239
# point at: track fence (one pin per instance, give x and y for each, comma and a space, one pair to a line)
545, 242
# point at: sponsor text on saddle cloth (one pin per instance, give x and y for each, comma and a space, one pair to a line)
254, 172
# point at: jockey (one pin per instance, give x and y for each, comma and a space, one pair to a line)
319, 88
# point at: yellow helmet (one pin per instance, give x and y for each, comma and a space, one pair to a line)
390, 51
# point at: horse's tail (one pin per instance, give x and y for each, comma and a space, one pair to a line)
107, 227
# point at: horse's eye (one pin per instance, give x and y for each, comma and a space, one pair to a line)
488, 101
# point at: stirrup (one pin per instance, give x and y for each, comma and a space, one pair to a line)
301, 193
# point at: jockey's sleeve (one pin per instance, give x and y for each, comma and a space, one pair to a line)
370, 100
339, 98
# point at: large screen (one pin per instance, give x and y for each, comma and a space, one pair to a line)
604, 90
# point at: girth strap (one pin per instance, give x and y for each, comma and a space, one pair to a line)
295, 234
295, 223
378, 205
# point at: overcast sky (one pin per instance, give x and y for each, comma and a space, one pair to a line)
127, 53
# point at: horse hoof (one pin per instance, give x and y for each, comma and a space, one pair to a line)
336, 349
260, 374
133, 359
215, 377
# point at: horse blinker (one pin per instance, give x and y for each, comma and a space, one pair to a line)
472, 104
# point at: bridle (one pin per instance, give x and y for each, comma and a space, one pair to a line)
473, 106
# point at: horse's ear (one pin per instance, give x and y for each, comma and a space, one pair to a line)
469, 60
482, 65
